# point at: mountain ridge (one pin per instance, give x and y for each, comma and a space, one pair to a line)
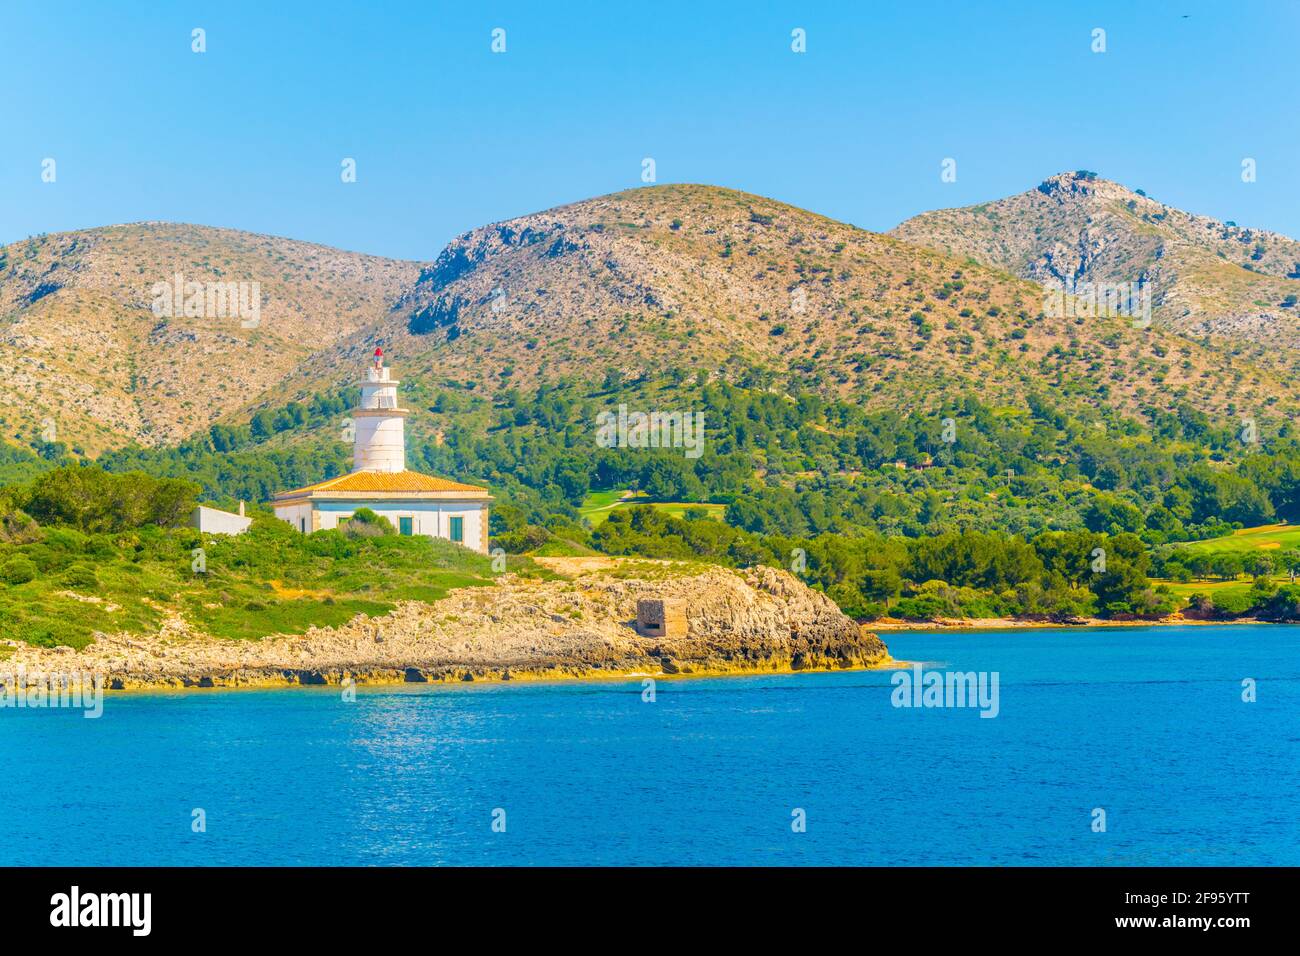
1207, 277
845, 308
696, 278
82, 346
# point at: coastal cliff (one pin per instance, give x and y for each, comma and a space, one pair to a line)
581, 624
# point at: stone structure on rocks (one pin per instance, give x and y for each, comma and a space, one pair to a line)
661, 617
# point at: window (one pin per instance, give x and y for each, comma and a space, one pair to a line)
458, 530
344, 520
405, 525
302, 525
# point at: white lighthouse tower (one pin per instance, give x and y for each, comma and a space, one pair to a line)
413, 503
380, 443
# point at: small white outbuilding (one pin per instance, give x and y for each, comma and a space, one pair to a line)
216, 521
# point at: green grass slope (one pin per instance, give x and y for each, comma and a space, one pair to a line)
599, 505
66, 585
1269, 537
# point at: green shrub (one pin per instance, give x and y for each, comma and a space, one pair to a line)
101, 546
924, 608
17, 570
93, 500
333, 543
521, 540
81, 576
1232, 605
364, 523
1282, 605
66, 540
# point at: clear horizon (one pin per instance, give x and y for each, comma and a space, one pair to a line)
448, 135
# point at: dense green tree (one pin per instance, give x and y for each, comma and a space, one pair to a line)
93, 500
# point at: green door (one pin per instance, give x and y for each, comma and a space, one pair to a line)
458, 530
404, 526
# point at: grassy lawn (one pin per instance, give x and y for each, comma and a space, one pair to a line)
1268, 537
678, 509
596, 507
1184, 591
601, 501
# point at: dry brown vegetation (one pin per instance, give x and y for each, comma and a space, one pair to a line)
80, 344
1209, 278
703, 278
695, 278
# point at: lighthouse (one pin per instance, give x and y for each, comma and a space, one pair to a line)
380, 442
414, 503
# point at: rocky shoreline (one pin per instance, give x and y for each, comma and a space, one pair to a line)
579, 626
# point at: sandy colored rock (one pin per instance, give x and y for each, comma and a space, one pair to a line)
755, 620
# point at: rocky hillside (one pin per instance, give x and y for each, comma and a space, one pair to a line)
706, 278
689, 278
736, 285
1208, 277
82, 346
579, 625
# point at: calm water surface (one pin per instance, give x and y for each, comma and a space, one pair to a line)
1148, 724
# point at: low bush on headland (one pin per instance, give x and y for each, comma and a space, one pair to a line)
83, 551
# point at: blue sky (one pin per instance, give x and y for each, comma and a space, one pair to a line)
448, 135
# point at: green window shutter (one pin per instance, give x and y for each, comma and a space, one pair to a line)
458, 530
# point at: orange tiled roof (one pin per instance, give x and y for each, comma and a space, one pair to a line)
381, 481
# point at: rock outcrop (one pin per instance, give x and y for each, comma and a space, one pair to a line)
1204, 276
580, 625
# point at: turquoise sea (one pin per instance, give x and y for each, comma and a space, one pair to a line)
1146, 724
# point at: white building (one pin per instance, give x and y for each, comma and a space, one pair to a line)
414, 503
216, 521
